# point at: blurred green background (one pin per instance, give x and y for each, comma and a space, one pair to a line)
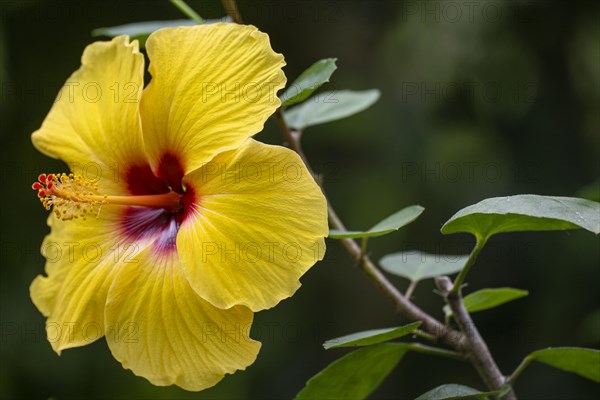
479, 99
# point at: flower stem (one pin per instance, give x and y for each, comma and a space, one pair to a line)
187, 10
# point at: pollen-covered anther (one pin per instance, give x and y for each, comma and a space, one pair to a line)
70, 196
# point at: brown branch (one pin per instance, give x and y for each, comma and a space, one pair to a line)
403, 305
477, 351
468, 341
232, 10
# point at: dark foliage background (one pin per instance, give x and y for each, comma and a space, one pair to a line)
488, 99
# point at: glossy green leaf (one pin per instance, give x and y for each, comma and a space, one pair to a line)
355, 375
309, 81
141, 30
489, 298
416, 265
371, 337
390, 224
454, 391
525, 212
329, 106
581, 361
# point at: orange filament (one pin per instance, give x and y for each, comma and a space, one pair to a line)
71, 196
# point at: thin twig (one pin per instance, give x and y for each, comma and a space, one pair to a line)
403, 304
232, 10
477, 350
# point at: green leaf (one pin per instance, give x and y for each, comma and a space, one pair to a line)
454, 391
355, 375
485, 299
329, 106
415, 265
390, 224
581, 361
370, 337
141, 30
525, 212
309, 81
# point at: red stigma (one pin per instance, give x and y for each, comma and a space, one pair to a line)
44, 184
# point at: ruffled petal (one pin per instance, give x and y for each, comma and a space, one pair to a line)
212, 87
80, 260
163, 331
94, 124
258, 224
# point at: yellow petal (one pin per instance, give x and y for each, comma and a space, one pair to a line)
259, 223
80, 259
212, 87
162, 330
94, 124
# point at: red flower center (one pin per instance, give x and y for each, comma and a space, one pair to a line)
157, 224
154, 208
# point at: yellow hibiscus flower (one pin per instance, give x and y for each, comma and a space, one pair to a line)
192, 225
